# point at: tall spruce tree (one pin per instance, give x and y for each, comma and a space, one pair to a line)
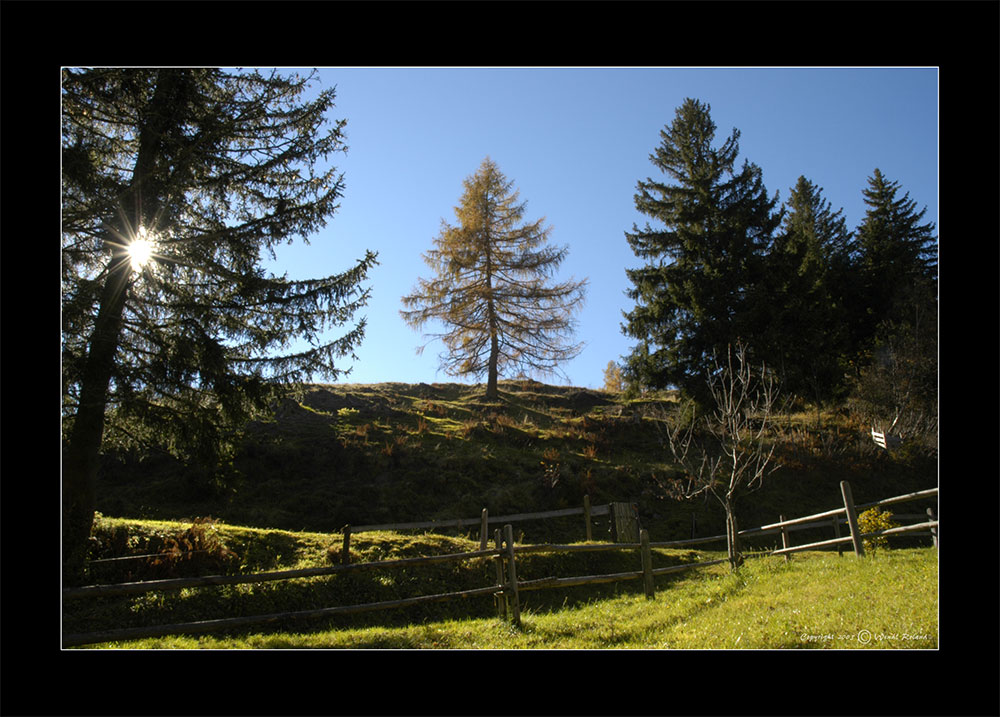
175, 181
896, 258
809, 269
491, 288
698, 293
895, 313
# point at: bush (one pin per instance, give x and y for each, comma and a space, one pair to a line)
194, 551
872, 520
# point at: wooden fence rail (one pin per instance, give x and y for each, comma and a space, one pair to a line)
856, 537
146, 586
506, 587
586, 510
203, 626
484, 520
816, 520
859, 548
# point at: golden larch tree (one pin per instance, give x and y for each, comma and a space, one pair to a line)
493, 288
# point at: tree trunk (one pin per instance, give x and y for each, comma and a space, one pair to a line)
82, 453
732, 538
492, 392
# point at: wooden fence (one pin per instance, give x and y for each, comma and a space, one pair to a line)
835, 519
506, 587
624, 523
483, 521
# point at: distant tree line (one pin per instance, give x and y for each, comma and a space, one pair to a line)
833, 312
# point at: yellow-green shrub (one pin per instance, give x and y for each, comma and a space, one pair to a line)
875, 519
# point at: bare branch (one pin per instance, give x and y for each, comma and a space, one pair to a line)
726, 452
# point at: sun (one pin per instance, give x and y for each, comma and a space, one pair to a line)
140, 250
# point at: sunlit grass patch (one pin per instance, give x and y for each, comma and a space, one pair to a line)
817, 600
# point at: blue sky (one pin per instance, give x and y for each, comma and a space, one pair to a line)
575, 141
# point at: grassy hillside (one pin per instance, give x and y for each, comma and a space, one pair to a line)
364, 454
816, 600
240, 550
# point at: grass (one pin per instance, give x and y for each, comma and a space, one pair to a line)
385, 453
887, 600
360, 454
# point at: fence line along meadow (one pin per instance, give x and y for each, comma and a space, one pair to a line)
506, 587
587, 511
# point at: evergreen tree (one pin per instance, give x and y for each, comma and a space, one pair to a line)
490, 287
174, 183
896, 260
895, 314
808, 271
698, 293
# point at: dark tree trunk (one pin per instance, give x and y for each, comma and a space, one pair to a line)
492, 391
82, 453
732, 537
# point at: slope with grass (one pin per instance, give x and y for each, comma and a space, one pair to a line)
357, 454
817, 600
383, 453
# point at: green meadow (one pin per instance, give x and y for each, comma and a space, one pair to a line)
386, 453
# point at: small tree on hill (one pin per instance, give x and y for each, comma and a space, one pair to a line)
490, 288
727, 452
614, 379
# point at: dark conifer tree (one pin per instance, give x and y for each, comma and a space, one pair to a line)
805, 339
696, 294
896, 259
894, 314
175, 182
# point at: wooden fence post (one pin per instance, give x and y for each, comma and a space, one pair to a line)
512, 601
483, 523
345, 554
647, 564
852, 518
501, 596
625, 523
784, 536
586, 516
934, 531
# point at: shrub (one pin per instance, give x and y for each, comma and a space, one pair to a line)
197, 550
872, 520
